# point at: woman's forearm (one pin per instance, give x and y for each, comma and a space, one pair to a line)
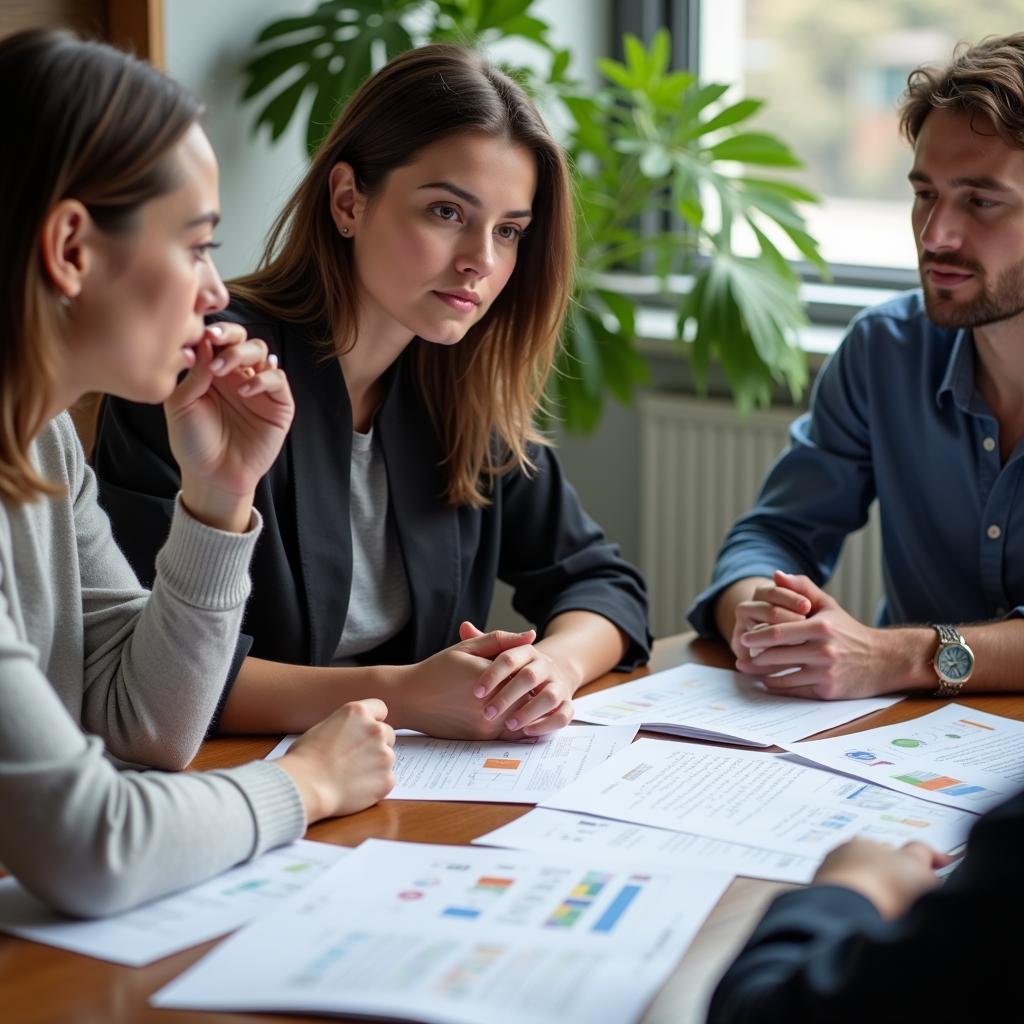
584, 644
271, 696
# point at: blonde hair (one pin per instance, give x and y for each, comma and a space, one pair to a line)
483, 393
93, 124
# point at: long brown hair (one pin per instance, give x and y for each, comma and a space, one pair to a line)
482, 393
80, 120
985, 79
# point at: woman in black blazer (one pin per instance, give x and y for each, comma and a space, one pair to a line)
413, 289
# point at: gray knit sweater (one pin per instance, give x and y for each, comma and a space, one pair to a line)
90, 659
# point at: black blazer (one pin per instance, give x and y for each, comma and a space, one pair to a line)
535, 534
825, 954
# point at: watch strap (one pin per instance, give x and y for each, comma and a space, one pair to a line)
948, 635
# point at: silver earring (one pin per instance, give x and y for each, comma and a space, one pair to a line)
344, 231
65, 301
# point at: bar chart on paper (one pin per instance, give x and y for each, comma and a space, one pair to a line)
956, 756
461, 935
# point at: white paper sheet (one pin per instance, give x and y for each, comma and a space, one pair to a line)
460, 935
955, 756
496, 771
549, 831
754, 798
714, 704
175, 922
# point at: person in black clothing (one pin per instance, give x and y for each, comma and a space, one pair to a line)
413, 289
876, 938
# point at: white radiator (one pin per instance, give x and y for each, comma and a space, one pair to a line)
702, 466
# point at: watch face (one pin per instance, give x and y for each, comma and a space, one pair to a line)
954, 662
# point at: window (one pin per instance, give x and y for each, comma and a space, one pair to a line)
832, 75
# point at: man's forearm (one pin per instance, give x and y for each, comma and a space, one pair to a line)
998, 649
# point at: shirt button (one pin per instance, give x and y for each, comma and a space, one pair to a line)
989, 444
994, 533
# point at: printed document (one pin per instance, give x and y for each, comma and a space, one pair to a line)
460, 935
175, 922
562, 831
955, 756
498, 771
759, 799
714, 704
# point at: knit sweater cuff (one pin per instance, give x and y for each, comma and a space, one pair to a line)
204, 567
275, 801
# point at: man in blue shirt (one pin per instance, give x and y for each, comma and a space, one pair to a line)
922, 406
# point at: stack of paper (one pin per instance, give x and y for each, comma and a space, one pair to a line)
460, 935
755, 799
713, 704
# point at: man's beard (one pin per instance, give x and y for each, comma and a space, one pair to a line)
1002, 301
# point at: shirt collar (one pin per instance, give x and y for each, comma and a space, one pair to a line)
958, 380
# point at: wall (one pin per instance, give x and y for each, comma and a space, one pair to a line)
208, 44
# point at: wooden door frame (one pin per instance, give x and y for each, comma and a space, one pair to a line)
138, 25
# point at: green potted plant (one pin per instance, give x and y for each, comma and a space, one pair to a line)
648, 142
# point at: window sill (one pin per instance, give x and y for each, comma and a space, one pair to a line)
830, 308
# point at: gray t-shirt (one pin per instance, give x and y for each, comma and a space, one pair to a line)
378, 604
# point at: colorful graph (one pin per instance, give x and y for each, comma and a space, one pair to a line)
485, 885
939, 783
579, 900
610, 918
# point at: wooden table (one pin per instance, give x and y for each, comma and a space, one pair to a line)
42, 984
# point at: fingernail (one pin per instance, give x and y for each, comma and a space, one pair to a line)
479, 691
490, 711
215, 330
217, 364
512, 723
524, 632
272, 361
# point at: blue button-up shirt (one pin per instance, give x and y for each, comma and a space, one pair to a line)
895, 414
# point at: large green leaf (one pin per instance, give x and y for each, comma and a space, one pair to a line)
748, 316
755, 148
330, 52
278, 112
731, 115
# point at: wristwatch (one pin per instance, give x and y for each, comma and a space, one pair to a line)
953, 661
